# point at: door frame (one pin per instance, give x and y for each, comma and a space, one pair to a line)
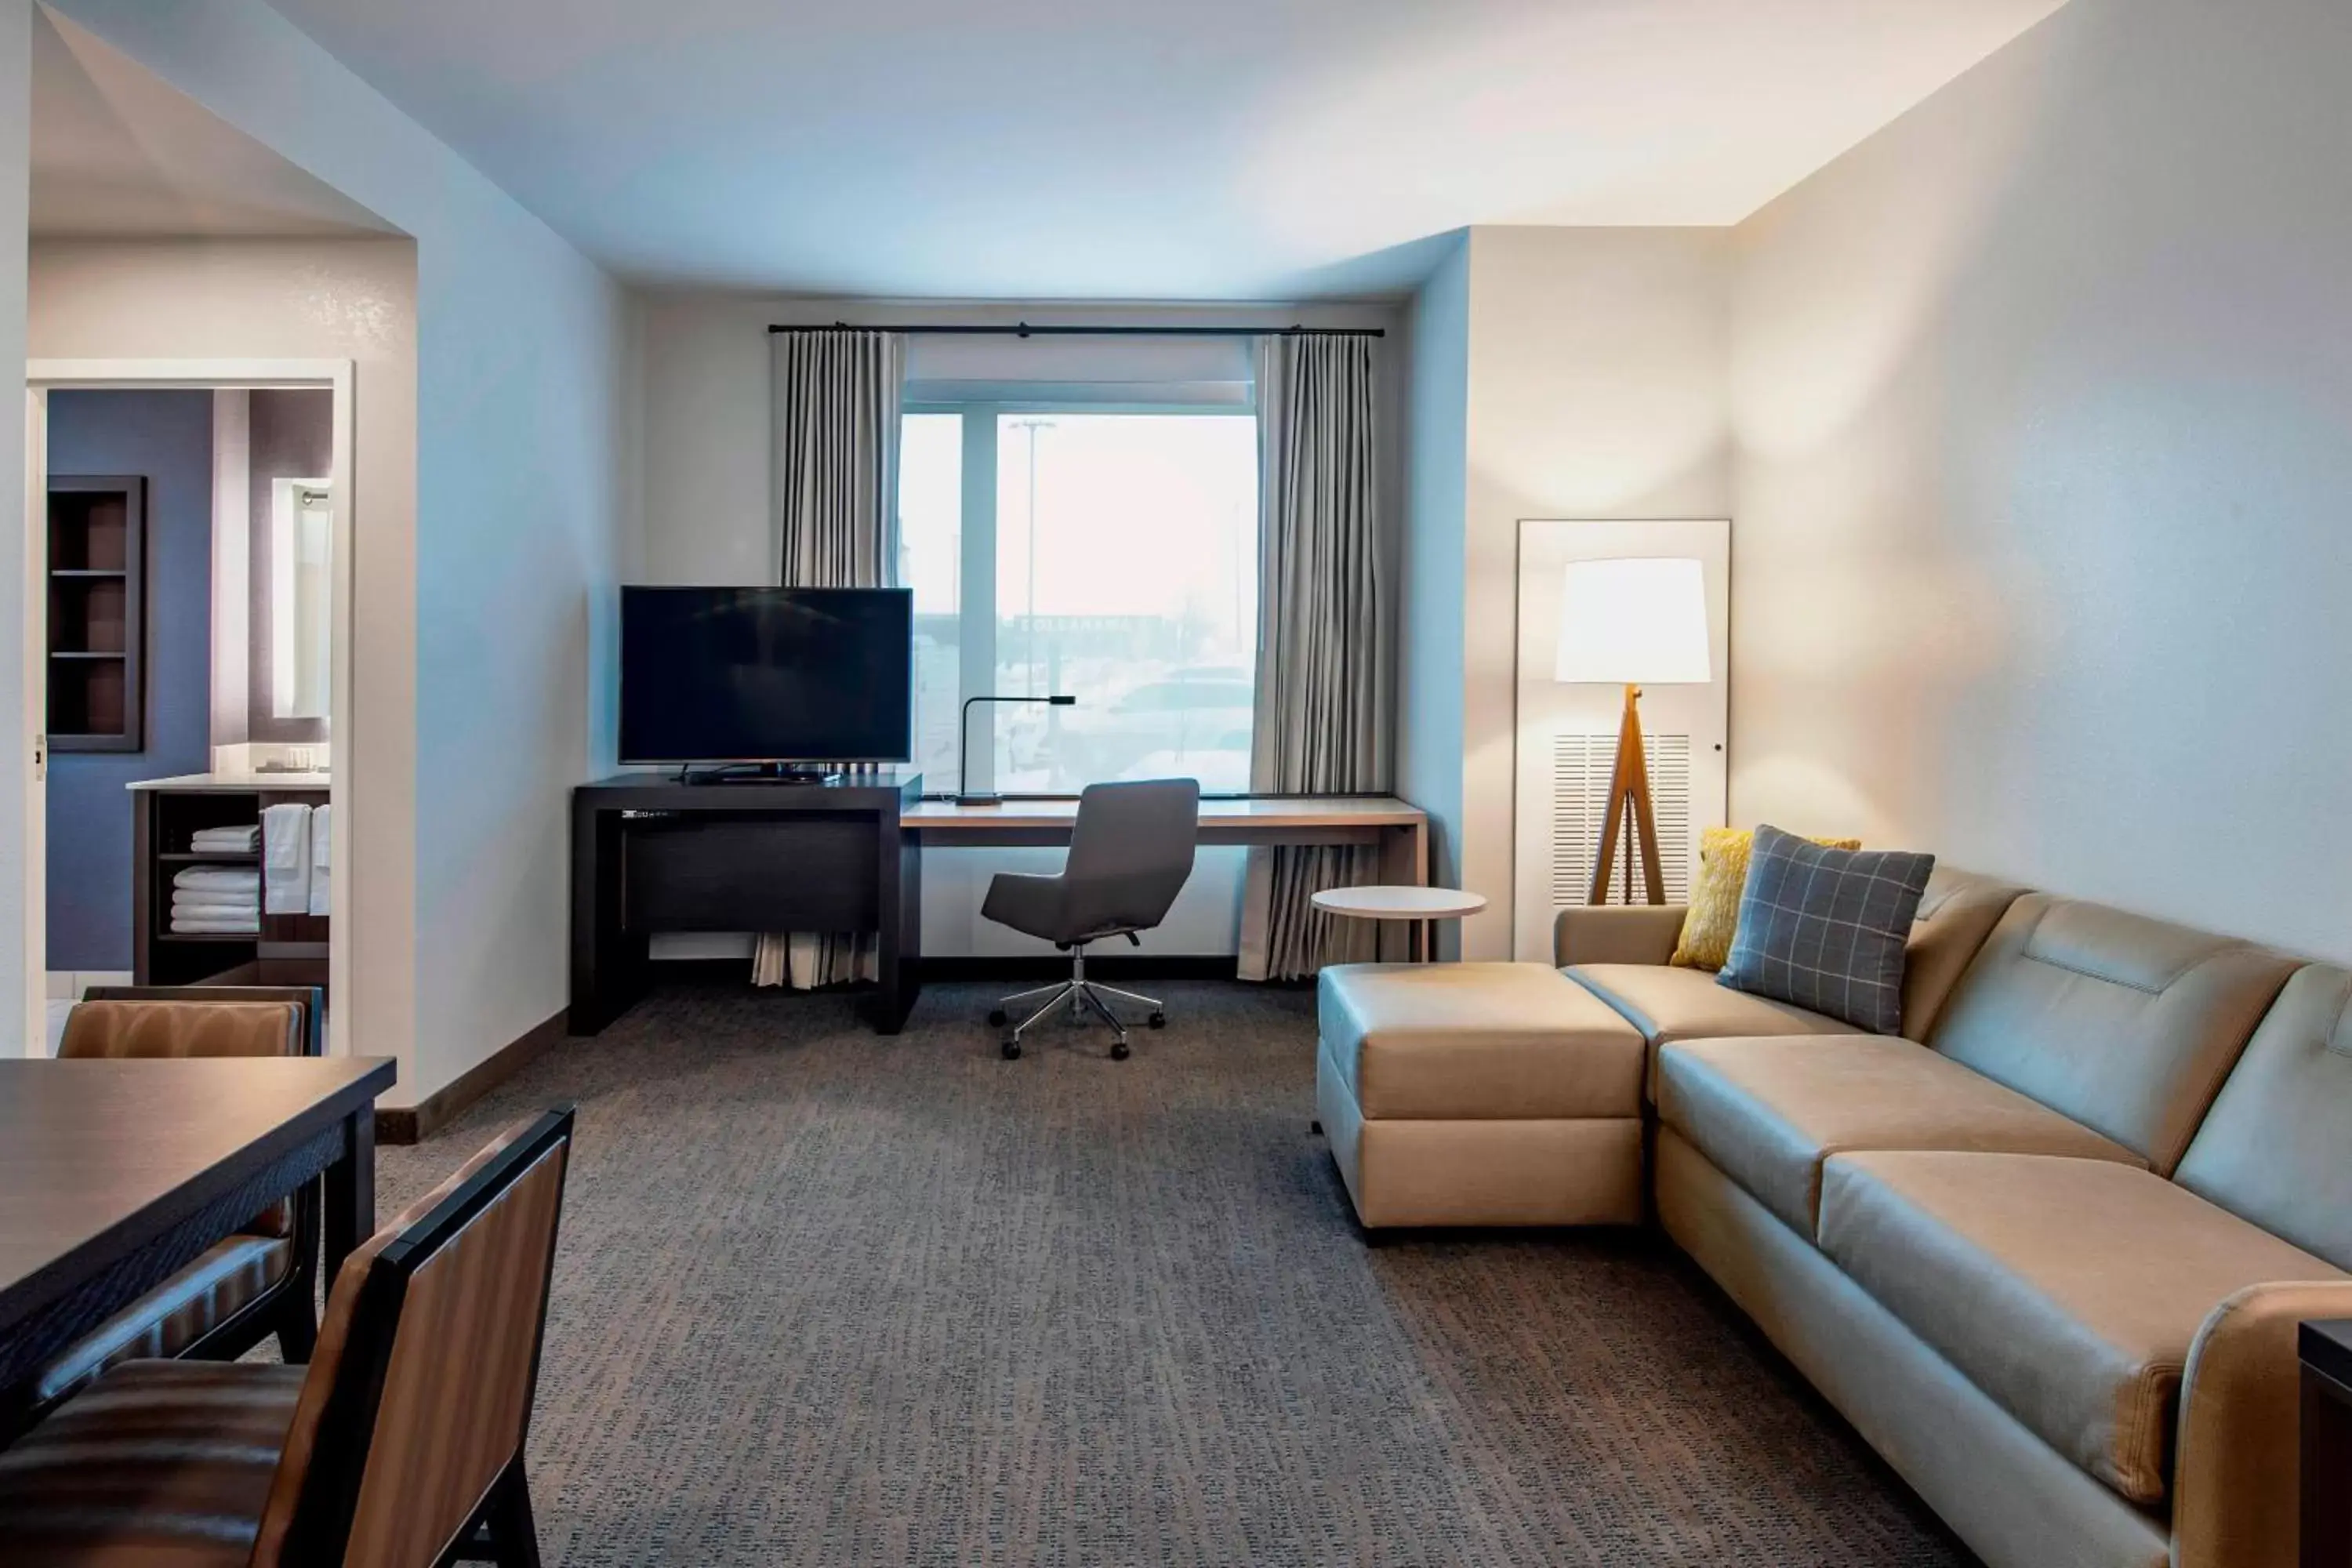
43, 376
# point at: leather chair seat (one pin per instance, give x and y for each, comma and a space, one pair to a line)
2067, 1290
227, 1278
1768, 1112
158, 1464
1475, 1041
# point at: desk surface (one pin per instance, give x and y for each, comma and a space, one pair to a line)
99, 1157
944, 817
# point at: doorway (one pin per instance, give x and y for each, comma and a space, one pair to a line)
202, 762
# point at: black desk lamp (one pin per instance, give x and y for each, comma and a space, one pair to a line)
965, 797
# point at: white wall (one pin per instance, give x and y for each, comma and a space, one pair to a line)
1591, 385
521, 481
1430, 640
709, 518
2042, 400
353, 299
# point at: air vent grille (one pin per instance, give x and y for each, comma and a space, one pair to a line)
1579, 802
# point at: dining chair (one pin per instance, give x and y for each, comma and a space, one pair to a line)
400, 1446
261, 1281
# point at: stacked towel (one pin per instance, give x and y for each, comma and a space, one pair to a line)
321, 832
240, 840
223, 900
285, 859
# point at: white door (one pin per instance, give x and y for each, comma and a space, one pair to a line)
1567, 735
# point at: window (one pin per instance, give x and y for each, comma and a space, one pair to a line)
1112, 556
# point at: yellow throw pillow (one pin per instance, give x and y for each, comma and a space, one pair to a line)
1712, 919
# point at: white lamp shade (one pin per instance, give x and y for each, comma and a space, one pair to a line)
1634, 623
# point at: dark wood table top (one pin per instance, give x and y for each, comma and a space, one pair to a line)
2328, 1346
97, 1159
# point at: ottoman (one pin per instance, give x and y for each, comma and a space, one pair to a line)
1478, 1094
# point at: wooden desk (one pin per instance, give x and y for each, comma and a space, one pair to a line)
650, 854
114, 1174
1398, 828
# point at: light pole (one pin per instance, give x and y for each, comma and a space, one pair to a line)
1029, 631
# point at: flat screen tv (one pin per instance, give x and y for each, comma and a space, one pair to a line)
767, 675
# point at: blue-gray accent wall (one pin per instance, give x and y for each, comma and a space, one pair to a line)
166, 437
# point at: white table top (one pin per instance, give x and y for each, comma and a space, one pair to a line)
1400, 904
236, 783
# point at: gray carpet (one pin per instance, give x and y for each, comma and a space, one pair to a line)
826, 1298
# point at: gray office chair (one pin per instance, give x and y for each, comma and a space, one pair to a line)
1130, 853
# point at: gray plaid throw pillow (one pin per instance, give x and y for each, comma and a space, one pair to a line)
1824, 929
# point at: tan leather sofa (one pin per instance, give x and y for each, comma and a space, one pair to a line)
2048, 1252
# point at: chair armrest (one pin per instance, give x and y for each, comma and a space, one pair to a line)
2238, 1463
1616, 933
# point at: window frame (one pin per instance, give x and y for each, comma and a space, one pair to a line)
976, 569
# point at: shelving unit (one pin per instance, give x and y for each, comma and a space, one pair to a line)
97, 613
288, 950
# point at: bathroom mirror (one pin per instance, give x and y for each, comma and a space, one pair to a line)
300, 608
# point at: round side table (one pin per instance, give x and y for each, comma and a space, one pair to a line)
1424, 907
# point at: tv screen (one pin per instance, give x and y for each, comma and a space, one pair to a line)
761, 674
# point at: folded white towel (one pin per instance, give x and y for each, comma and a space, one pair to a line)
322, 884
198, 904
245, 837
235, 879
285, 859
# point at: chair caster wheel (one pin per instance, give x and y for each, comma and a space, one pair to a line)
1012, 1050
1118, 1051
1158, 1020
996, 1018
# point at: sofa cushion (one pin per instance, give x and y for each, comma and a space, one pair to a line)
1669, 1004
1770, 1111
2273, 1149
1477, 1040
1828, 929
2125, 1025
1957, 913
2068, 1291
1713, 917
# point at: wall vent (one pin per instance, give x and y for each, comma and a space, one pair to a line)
1581, 766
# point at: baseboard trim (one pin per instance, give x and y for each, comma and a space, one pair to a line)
413, 1123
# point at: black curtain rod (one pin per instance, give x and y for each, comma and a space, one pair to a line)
1023, 329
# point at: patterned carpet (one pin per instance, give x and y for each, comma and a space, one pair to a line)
829, 1299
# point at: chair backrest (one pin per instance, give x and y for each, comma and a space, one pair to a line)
154, 1021
312, 999
1130, 853
2274, 1148
419, 1394
2124, 1024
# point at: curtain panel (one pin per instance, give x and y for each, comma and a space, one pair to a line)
1323, 722
835, 402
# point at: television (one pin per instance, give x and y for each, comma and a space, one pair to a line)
767, 675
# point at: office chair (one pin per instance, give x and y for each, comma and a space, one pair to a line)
1130, 853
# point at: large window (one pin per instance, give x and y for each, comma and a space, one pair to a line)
1111, 556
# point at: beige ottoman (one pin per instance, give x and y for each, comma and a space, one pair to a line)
1478, 1094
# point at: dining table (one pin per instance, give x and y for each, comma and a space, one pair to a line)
115, 1173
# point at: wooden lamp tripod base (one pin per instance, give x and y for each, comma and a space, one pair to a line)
1629, 797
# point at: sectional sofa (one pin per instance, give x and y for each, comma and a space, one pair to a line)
2047, 1252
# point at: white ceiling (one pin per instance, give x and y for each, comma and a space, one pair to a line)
118, 155
1136, 148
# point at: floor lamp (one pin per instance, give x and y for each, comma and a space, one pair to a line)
1633, 624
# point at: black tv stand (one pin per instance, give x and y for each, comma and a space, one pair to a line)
650, 854
761, 773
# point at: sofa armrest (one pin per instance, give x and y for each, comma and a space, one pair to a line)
1616, 933
2238, 1463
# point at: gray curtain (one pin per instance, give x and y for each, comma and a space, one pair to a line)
1322, 722
835, 405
